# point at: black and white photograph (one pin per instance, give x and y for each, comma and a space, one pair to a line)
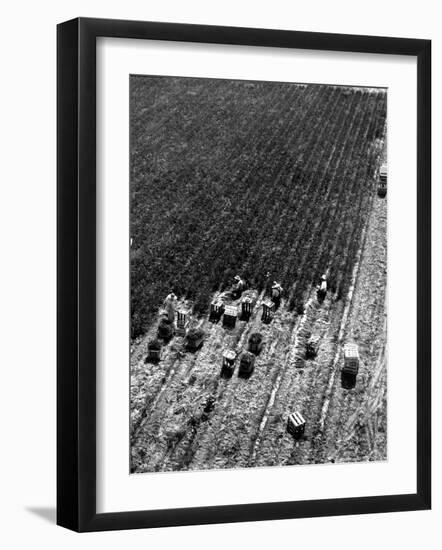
258, 274
222, 269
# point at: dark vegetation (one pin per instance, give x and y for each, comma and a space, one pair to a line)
165, 330
194, 334
267, 180
154, 344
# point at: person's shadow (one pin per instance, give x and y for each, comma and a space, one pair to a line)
47, 513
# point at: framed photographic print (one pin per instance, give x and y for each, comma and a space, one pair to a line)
243, 274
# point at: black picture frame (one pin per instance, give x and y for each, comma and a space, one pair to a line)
76, 274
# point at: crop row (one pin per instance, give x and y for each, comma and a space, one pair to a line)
268, 180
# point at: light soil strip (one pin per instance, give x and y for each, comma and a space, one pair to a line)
291, 356
328, 391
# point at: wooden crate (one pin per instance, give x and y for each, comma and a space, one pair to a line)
216, 311
246, 364
351, 359
255, 346
166, 330
230, 316
296, 425
348, 381
268, 312
246, 309
382, 186
194, 339
382, 189
228, 365
154, 355
182, 321
194, 345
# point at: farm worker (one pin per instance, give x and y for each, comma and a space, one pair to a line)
170, 305
239, 283
276, 290
323, 285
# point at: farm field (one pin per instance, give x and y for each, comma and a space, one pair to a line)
270, 181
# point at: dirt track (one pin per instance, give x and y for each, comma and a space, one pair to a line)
186, 416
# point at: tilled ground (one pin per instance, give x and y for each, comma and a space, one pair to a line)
186, 416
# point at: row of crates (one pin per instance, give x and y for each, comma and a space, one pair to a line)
351, 354
167, 329
246, 358
246, 363
231, 313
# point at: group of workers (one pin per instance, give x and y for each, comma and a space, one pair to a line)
171, 300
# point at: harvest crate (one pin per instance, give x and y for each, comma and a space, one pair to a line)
255, 343
246, 309
382, 190
246, 364
268, 312
296, 425
229, 358
230, 316
216, 311
154, 355
165, 330
153, 351
351, 359
182, 322
348, 381
382, 186
194, 339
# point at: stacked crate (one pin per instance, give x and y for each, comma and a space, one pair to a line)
229, 358
246, 364
246, 309
216, 311
351, 360
230, 316
268, 312
296, 425
255, 343
182, 322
